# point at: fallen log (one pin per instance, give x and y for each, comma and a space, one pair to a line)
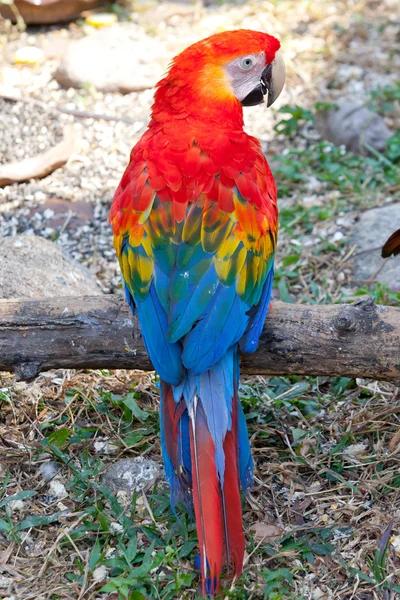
352, 340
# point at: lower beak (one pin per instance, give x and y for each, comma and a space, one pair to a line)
271, 83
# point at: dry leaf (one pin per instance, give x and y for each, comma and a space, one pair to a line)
394, 442
392, 245
262, 531
41, 165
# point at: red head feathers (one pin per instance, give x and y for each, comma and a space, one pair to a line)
218, 74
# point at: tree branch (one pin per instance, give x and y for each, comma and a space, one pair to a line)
353, 340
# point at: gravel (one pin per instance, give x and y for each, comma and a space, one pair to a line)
21, 122
93, 172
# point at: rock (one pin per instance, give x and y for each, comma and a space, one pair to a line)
32, 267
5, 581
120, 58
16, 505
57, 488
131, 474
28, 55
370, 233
56, 212
100, 574
41, 12
318, 594
353, 126
262, 531
103, 445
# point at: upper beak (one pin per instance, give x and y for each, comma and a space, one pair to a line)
271, 82
273, 78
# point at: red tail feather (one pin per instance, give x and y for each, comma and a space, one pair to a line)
218, 512
233, 506
206, 499
172, 412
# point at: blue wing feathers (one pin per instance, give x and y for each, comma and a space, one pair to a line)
249, 341
166, 357
183, 313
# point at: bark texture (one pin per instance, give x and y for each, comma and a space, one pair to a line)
352, 340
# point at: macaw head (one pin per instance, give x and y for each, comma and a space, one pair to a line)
233, 67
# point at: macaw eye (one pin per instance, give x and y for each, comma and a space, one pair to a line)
247, 62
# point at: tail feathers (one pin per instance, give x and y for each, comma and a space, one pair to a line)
246, 467
206, 455
175, 444
206, 499
234, 538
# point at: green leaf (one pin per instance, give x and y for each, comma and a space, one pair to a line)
321, 549
284, 291
130, 402
343, 442
186, 549
104, 522
59, 437
115, 563
361, 575
133, 438
94, 556
325, 106
393, 147
64, 457
290, 260
299, 435
152, 535
136, 596
115, 506
146, 567
37, 521
109, 587
19, 496
4, 526
131, 549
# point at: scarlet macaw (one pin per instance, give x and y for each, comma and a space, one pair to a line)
195, 226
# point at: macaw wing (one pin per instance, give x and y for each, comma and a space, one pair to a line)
197, 270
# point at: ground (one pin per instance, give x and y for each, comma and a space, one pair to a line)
323, 520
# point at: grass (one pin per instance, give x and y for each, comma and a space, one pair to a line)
325, 478
341, 183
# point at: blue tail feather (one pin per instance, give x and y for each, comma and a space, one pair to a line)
216, 389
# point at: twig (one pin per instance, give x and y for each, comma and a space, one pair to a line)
19, 21
85, 578
80, 114
372, 278
64, 533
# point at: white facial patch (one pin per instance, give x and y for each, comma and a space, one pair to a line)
244, 73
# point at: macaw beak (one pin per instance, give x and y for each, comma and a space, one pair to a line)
271, 83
